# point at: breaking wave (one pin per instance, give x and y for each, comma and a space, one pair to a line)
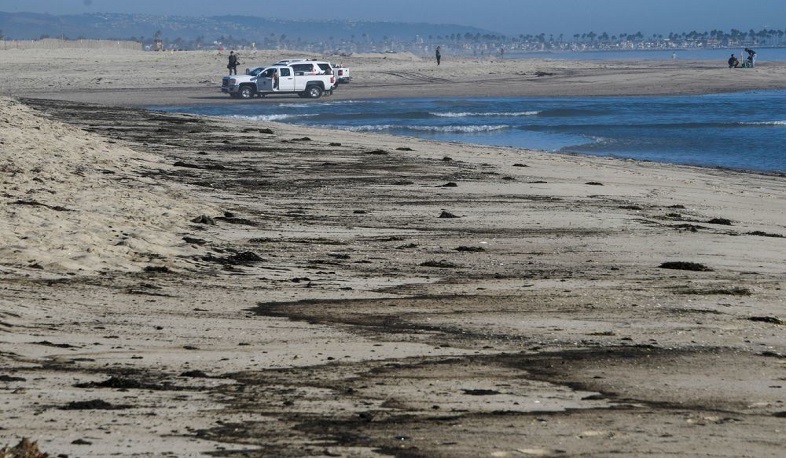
764, 123
433, 129
273, 117
469, 114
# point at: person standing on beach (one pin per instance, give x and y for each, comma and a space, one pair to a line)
751, 57
439, 56
232, 65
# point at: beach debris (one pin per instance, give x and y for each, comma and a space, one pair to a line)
377, 152
157, 269
245, 256
204, 219
240, 258
480, 392
683, 265
519, 164
334, 144
47, 343
404, 148
689, 227
24, 449
338, 255
81, 442
194, 374
235, 220
768, 319
471, 249
194, 240
35, 203
764, 234
441, 264
721, 221
736, 291
594, 183
94, 404
447, 159
447, 214
772, 354
450, 184
120, 383
185, 164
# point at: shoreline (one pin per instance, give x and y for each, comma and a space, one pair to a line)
190, 285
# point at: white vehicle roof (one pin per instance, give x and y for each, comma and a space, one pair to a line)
300, 61
289, 61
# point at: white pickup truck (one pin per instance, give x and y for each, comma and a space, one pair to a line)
304, 78
342, 74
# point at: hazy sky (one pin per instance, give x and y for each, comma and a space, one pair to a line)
511, 17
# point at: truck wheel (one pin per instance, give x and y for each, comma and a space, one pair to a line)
314, 92
246, 92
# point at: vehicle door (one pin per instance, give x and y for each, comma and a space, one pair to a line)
265, 80
286, 80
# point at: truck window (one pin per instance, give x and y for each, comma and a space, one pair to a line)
284, 72
302, 68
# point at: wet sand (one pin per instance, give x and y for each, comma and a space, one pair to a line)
184, 285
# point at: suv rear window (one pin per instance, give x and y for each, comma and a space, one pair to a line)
303, 68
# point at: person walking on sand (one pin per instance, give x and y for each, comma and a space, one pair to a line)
439, 56
233, 62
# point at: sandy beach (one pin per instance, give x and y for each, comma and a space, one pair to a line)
176, 285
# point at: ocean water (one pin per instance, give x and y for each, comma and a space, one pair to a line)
745, 130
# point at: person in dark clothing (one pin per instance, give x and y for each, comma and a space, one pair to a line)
733, 62
751, 57
439, 56
233, 62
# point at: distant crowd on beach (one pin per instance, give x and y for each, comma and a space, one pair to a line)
750, 61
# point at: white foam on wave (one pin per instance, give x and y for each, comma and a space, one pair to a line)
272, 117
469, 114
765, 123
434, 129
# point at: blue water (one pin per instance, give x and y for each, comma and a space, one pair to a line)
741, 130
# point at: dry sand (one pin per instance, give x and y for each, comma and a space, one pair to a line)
181, 285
